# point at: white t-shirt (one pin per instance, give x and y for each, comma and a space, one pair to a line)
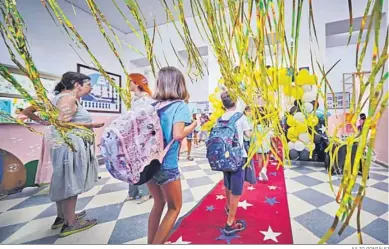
242, 125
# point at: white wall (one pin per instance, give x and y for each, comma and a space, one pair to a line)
50, 48
52, 53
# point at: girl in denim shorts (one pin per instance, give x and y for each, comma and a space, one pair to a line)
165, 186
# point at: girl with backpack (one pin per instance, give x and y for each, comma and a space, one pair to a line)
165, 186
141, 93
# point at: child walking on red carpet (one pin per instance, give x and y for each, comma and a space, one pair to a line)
233, 181
263, 152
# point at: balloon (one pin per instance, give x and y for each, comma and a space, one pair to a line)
320, 113
301, 127
302, 77
310, 146
311, 80
290, 121
299, 116
287, 90
291, 145
312, 120
306, 88
308, 107
293, 110
299, 146
316, 139
298, 102
292, 133
304, 137
293, 154
313, 102
309, 96
297, 92
304, 155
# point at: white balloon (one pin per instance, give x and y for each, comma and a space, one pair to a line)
308, 107
310, 146
291, 145
309, 96
304, 137
307, 88
299, 116
299, 146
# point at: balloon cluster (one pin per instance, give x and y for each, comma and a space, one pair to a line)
218, 110
302, 118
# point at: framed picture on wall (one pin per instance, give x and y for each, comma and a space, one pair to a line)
338, 100
12, 102
103, 97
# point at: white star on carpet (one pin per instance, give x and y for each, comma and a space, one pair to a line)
322, 129
181, 242
220, 197
272, 187
244, 204
269, 234
251, 188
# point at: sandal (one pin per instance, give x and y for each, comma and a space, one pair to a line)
190, 158
129, 198
79, 226
59, 222
144, 199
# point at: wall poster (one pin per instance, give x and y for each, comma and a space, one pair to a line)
103, 97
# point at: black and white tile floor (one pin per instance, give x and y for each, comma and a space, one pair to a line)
26, 217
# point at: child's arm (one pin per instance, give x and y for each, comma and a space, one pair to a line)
246, 127
183, 116
180, 131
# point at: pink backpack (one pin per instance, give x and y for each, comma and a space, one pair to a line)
132, 145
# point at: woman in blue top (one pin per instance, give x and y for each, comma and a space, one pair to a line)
176, 124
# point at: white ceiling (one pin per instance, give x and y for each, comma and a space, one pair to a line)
149, 8
337, 33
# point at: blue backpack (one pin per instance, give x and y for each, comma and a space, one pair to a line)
224, 151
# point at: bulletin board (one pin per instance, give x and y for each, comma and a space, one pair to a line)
11, 101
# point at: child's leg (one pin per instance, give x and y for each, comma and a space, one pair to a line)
156, 211
189, 145
263, 173
132, 192
196, 141
236, 180
227, 188
173, 195
260, 162
143, 193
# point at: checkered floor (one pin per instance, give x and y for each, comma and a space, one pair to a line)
26, 217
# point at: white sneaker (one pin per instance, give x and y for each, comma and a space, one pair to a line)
263, 175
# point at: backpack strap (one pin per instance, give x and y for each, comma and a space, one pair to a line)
165, 151
159, 105
234, 118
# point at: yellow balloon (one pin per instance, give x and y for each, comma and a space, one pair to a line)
297, 92
312, 120
292, 133
291, 121
287, 90
301, 127
311, 80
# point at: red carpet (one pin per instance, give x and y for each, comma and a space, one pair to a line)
266, 214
